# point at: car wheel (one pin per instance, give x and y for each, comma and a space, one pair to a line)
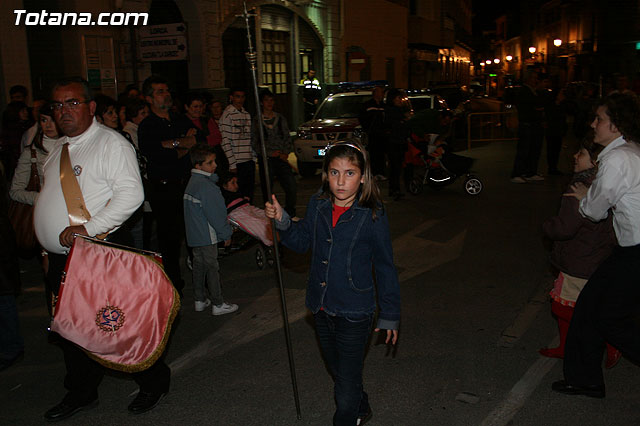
307, 169
415, 186
472, 185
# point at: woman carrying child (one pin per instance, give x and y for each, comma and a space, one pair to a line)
347, 229
580, 245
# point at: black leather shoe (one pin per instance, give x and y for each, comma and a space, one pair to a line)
145, 402
364, 419
64, 410
593, 391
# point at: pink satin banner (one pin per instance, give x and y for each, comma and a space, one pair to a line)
116, 304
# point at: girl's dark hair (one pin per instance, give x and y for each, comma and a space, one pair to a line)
45, 109
623, 110
103, 102
591, 147
225, 177
352, 149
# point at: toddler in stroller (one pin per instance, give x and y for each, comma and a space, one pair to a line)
248, 219
441, 167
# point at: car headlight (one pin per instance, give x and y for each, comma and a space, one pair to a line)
304, 134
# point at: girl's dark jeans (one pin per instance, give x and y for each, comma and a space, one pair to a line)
343, 342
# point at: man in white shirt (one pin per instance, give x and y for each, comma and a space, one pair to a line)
106, 169
606, 307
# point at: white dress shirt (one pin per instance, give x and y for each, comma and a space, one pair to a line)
107, 171
617, 186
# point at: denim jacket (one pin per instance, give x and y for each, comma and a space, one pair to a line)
343, 259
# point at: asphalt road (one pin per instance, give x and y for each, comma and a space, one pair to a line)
474, 277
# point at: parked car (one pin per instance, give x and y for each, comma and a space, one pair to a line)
336, 119
425, 100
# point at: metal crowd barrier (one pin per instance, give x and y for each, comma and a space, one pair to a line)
491, 126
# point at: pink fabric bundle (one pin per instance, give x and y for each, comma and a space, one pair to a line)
253, 221
117, 304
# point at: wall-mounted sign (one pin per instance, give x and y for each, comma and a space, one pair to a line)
357, 61
166, 42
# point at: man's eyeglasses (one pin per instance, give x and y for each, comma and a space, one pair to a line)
72, 104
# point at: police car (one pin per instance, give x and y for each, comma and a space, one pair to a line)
336, 119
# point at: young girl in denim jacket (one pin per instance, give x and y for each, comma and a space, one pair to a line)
347, 229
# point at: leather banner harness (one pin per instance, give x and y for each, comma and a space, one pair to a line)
115, 302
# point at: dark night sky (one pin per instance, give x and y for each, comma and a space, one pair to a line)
486, 11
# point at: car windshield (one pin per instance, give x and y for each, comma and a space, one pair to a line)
341, 107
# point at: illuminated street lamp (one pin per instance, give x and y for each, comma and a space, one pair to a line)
557, 42
532, 50
496, 61
509, 58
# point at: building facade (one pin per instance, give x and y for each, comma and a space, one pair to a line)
592, 40
201, 44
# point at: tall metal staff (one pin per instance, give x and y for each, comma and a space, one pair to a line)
252, 58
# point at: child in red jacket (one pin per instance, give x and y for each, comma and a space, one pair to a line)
580, 245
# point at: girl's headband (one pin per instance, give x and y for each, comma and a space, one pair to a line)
345, 143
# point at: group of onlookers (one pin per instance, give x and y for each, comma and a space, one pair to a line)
132, 158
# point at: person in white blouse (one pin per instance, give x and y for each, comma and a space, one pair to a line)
43, 141
607, 304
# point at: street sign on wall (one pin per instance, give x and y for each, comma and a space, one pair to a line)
166, 42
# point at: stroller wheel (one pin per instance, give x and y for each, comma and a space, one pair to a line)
270, 255
260, 257
472, 185
415, 186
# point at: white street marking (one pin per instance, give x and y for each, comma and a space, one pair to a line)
261, 317
521, 391
415, 255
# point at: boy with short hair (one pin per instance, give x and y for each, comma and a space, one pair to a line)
205, 217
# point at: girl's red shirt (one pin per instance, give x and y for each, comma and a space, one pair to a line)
337, 211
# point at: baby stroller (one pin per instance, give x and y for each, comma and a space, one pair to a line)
250, 226
441, 167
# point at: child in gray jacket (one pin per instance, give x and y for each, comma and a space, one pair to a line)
205, 218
